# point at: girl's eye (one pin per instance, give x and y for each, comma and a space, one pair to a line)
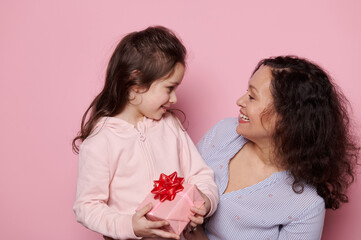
170, 88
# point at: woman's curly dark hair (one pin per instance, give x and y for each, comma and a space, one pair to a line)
313, 133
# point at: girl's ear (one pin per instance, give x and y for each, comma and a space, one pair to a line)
135, 94
136, 89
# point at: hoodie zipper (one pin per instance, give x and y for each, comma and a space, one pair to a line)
148, 153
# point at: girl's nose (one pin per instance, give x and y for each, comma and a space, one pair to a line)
173, 98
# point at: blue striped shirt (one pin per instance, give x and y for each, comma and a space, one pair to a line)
268, 210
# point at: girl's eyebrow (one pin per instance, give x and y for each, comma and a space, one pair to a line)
174, 83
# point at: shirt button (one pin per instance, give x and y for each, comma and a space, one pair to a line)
142, 138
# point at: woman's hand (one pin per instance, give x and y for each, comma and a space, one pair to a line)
142, 227
195, 233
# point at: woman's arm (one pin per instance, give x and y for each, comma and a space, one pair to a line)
308, 226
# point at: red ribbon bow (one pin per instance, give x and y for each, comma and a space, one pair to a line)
167, 187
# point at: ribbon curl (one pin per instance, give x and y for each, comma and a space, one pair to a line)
167, 187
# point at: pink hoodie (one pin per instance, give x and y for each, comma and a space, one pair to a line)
117, 166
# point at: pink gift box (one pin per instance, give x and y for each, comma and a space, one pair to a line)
177, 211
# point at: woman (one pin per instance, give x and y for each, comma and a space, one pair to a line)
287, 157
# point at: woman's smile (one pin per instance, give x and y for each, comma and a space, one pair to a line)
242, 118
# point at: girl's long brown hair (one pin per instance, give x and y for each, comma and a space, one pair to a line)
139, 59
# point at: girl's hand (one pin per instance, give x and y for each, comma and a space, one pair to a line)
207, 203
195, 234
198, 217
142, 227
199, 213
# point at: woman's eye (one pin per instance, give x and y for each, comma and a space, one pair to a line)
250, 97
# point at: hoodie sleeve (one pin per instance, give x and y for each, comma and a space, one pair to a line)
92, 194
194, 168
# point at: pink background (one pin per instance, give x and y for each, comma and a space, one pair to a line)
53, 55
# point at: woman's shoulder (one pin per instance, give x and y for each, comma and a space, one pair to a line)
310, 192
222, 136
227, 126
307, 203
224, 131
299, 197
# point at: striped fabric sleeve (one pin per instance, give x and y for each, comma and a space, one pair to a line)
308, 226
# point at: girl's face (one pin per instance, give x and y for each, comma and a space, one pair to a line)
252, 123
160, 96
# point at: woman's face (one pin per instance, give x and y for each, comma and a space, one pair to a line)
254, 124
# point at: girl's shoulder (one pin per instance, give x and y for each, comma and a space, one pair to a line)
172, 121
170, 116
99, 137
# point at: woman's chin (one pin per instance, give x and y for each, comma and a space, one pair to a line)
240, 129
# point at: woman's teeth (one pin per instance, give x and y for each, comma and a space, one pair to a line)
244, 117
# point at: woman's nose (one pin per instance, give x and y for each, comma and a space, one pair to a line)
241, 101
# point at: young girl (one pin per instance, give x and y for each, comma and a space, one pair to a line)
130, 138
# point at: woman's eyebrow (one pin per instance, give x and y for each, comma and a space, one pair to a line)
253, 88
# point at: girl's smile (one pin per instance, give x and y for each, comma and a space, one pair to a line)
164, 108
